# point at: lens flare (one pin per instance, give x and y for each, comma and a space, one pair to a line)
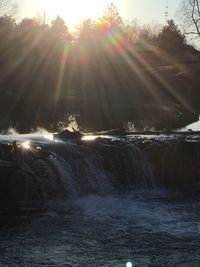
129, 264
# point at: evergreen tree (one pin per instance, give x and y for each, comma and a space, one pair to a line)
111, 16
171, 40
85, 32
60, 31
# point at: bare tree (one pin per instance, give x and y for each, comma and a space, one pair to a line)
189, 14
7, 7
42, 18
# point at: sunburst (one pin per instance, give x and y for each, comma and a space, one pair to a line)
72, 11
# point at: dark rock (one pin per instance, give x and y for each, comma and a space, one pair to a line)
67, 135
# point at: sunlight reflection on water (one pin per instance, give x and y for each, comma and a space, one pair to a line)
93, 137
89, 137
49, 136
26, 145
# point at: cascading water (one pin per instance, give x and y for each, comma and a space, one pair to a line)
103, 204
73, 169
81, 173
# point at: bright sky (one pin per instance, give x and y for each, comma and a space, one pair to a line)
73, 11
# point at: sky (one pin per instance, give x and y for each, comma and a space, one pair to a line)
146, 11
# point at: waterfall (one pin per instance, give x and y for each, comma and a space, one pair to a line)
54, 170
46, 170
133, 166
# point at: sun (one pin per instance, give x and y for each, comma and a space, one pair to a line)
72, 11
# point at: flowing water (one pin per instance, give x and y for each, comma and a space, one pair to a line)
99, 224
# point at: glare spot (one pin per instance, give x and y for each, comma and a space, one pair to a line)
26, 145
89, 137
93, 137
49, 136
129, 264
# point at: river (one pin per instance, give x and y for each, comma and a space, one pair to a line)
115, 227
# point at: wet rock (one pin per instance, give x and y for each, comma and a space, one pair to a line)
175, 164
67, 135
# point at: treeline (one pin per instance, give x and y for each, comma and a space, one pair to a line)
96, 72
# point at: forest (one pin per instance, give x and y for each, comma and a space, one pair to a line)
104, 74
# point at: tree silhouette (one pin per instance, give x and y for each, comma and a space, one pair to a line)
7, 23
59, 30
27, 24
47, 75
170, 39
111, 17
85, 31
